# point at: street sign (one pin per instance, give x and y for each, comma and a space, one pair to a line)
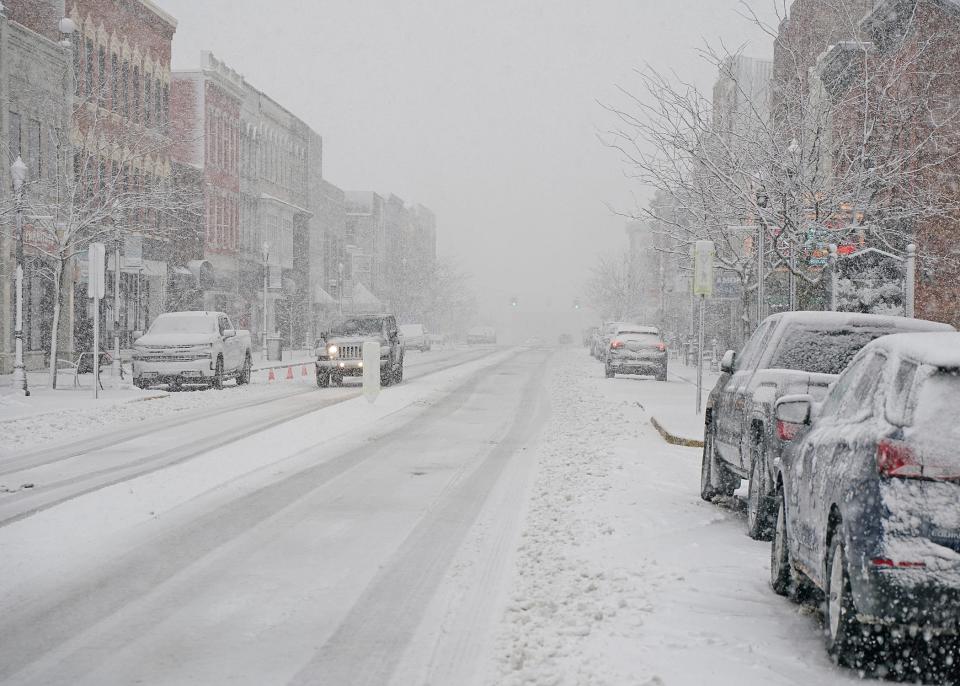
96, 277
703, 252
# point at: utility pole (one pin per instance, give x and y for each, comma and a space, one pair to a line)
116, 370
266, 273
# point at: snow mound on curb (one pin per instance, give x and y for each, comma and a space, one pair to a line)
565, 598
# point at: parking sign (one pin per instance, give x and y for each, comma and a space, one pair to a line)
96, 271
703, 253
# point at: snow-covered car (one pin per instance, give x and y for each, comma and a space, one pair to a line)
637, 350
340, 350
192, 348
482, 335
414, 337
789, 353
868, 493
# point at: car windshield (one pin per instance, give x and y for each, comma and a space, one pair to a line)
198, 325
823, 351
359, 326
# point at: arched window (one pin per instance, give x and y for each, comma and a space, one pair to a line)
101, 75
114, 83
89, 57
135, 95
125, 90
147, 100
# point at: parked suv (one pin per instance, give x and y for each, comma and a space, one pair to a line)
637, 350
790, 353
868, 494
340, 350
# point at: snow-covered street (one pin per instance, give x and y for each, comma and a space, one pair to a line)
513, 519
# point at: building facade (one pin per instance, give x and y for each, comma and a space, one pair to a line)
205, 107
121, 148
35, 122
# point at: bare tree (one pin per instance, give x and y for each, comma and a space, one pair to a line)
845, 156
613, 288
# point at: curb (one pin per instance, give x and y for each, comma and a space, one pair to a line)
674, 439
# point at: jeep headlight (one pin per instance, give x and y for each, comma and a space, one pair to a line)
332, 350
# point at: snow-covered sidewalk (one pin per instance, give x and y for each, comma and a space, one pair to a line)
623, 575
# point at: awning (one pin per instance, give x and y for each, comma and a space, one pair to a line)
363, 299
322, 298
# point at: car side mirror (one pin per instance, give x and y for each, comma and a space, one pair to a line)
727, 361
794, 409
229, 333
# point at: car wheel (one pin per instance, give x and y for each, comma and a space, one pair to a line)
715, 480
662, 376
759, 522
608, 370
137, 383
217, 381
781, 569
398, 375
323, 379
844, 633
386, 376
245, 372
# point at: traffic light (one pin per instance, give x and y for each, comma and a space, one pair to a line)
576, 304
513, 301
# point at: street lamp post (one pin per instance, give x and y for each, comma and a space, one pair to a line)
18, 172
340, 289
266, 274
115, 216
762, 200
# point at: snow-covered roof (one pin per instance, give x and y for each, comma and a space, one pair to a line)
834, 319
939, 349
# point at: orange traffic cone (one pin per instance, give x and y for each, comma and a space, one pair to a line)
271, 376
289, 372
303, 371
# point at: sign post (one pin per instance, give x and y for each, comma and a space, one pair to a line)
96, 289
703, 254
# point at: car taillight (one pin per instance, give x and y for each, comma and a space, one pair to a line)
787, 431
895, 458
616, 345
661, 347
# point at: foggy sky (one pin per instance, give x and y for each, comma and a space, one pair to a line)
486, 111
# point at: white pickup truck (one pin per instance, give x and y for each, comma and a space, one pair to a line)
191, 348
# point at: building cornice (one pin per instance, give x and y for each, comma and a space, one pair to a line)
168, 18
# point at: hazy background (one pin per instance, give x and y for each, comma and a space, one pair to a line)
486, 111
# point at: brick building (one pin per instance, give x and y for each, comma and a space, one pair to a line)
926, 36
35, 116
205, 109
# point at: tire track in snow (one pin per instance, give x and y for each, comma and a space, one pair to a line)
370, 642
52, 624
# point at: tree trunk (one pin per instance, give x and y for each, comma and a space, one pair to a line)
55, 329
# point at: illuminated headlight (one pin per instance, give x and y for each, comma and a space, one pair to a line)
332, 350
